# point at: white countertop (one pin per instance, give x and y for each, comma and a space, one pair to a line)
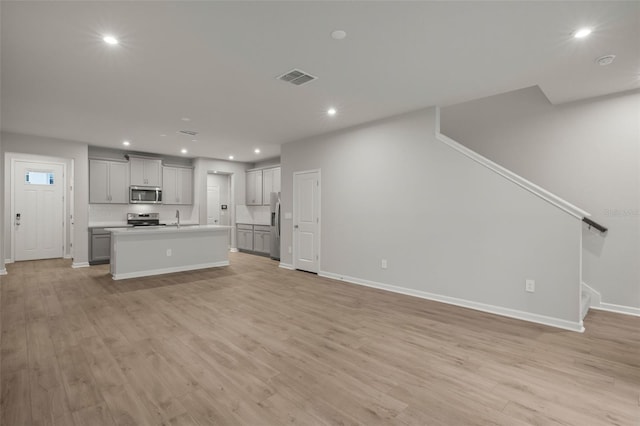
108, 224
167, 229
123, 224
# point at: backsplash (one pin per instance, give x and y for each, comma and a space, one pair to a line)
258, 215
108, 213
117, 213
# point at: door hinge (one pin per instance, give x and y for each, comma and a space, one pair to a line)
317, 258
317, 183
317, 220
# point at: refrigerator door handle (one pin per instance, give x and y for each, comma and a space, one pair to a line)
278, 218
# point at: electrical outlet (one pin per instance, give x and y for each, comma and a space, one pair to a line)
289, 249
168, 252
530, 286
383, 263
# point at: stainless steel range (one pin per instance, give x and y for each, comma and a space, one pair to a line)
144, 219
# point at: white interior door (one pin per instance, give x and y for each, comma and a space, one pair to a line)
306, 221
38, 211
213, 205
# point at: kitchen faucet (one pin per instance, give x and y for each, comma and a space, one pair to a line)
178, 217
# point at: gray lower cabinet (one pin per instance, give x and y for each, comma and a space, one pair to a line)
262, 239
255, 239
245, 237
99, 246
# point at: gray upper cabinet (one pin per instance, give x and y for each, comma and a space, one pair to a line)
177, 185
145, 171
260, 184
254, 188
108, 182
270, 183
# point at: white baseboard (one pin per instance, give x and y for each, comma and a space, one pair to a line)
233, 250
169, 270
76, 265
618, 309
67, 256
286, 266
8, 261
596, 298
3, 271
597, 303
498, 310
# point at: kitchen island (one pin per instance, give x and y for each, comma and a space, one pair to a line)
155, 250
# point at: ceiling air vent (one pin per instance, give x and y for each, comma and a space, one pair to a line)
297, 77
188, 132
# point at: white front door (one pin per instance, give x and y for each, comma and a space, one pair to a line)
213, 205
306, 221
38, 211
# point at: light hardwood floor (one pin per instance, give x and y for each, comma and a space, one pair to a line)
252, 344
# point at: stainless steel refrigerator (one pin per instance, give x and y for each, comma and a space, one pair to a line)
275, 225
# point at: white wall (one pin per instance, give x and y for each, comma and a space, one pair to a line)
586, 152
2, 267
449, 228
270, 162
119, 155
76, 151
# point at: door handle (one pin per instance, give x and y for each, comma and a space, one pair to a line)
17, 219
295, 226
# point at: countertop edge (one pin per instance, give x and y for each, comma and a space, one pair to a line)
167, 229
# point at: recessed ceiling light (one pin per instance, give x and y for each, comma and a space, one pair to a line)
231, 157
184, 151
338, 34
185, 119
109, 39
163, 135
331, 111
582, 33
194, 140
605, 60
257, 150
126, 143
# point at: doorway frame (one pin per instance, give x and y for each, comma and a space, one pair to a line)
232, 205
10, 176
294, 245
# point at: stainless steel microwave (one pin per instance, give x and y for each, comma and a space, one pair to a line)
145, 195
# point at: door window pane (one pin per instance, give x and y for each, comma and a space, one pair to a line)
38, 178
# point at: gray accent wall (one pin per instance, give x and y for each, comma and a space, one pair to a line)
76, 151
586, 152
447, 225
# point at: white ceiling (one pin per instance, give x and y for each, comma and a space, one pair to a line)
217, 62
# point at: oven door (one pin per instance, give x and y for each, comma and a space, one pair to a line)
145, 195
